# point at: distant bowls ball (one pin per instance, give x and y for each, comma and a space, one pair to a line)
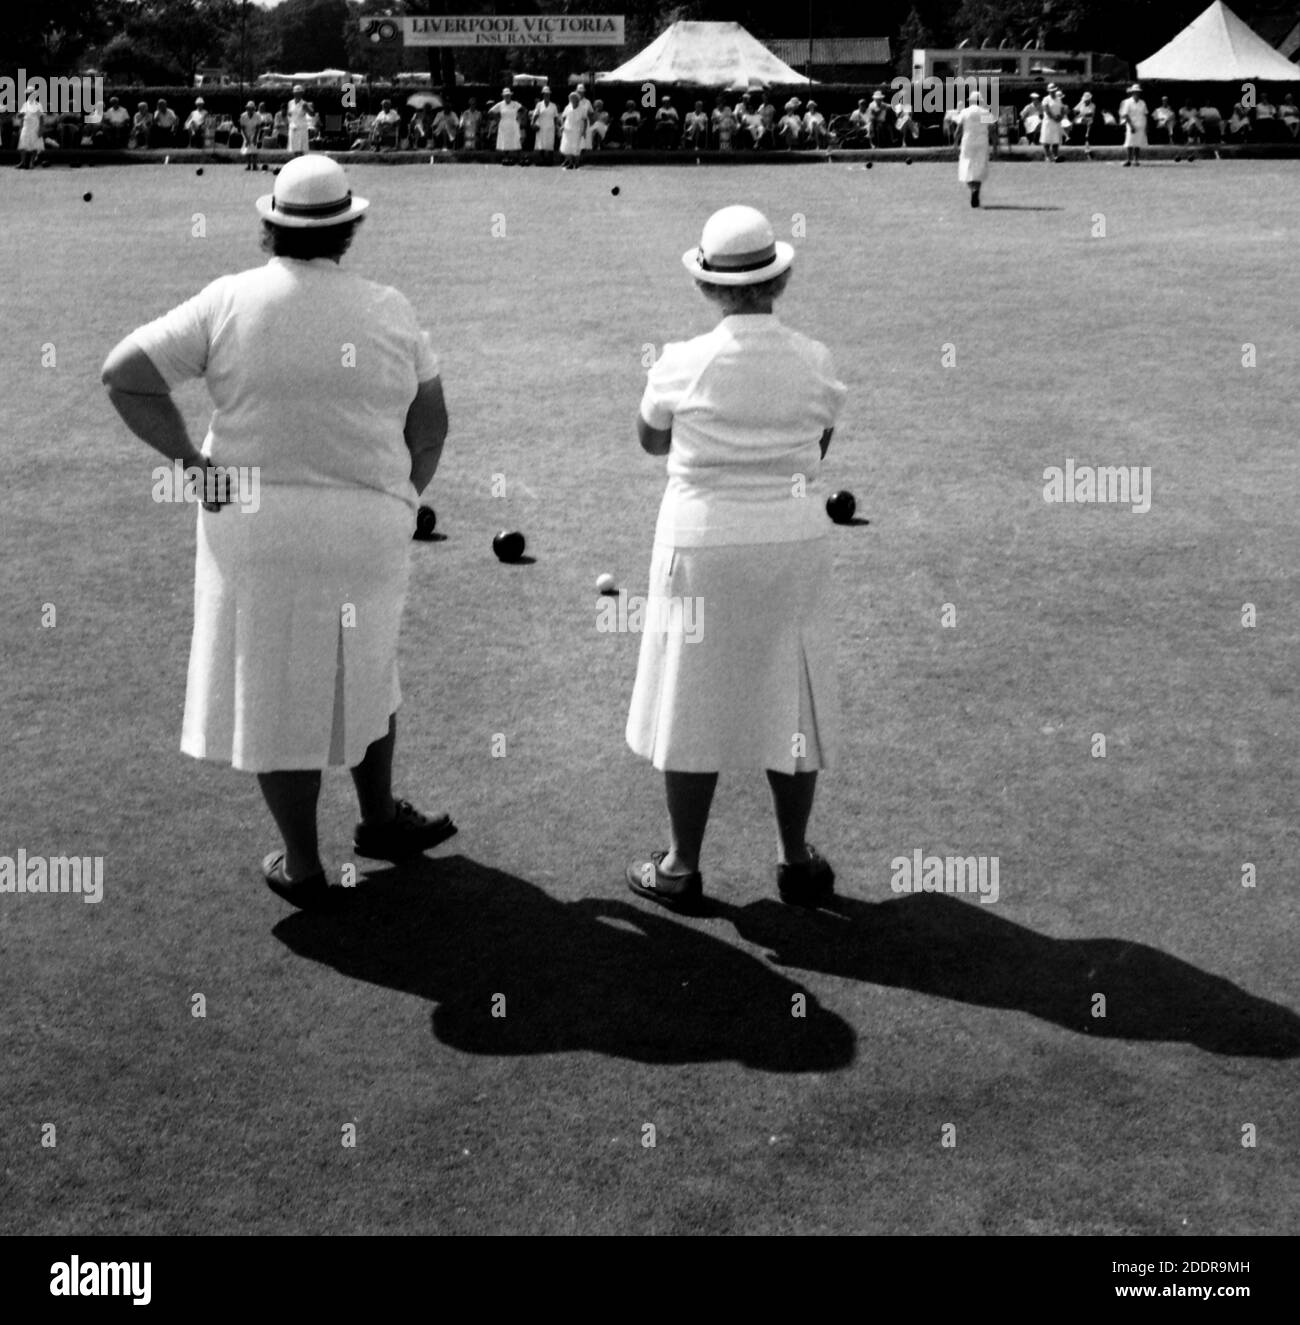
841, 505
425, 523
606, 584
86, 197
508, 545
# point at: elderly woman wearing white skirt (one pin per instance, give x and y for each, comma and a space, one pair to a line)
31, 142
976, 131
509, 140
737, 666
326, 390
1133, 116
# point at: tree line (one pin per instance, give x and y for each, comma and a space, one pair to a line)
169, 41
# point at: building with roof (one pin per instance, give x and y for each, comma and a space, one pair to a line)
836, 59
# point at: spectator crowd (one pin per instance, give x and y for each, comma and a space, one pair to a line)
1189, 124
733, 123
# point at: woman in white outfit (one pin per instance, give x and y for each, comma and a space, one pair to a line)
31, 143
573, 130
299, 113
976, 127
1133, 116
298, 601
545, 118
737, 659
1053, 130
507, 112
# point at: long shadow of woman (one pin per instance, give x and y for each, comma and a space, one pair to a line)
936, 944
513, 971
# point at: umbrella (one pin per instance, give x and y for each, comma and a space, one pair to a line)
424, 99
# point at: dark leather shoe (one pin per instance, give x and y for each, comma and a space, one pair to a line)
678, 892
409, 833
809, 883
314, 893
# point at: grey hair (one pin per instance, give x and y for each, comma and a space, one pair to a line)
744, 298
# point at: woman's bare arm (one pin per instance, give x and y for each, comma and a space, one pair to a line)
138, 393
655, 441
426, 430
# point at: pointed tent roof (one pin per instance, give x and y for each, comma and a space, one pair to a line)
1217, 47
707, 54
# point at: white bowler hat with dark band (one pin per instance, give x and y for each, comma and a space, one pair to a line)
738, 248
311, 191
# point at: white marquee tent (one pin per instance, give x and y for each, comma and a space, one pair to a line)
1218, 47
706, 54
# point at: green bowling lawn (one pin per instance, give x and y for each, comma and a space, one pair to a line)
1068, 687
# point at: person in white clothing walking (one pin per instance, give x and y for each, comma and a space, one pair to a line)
977, 130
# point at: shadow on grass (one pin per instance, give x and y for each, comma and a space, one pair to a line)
1016, 207
608, 976
959, 950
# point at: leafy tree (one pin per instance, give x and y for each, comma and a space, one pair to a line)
252, 46
52, 37
185, 34
312, 34
912, 34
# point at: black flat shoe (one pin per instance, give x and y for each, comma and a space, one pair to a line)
313, 893
408, 834
810, 883
678, 892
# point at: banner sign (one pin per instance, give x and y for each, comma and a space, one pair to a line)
498, 30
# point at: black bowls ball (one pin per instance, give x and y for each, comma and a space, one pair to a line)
840, 506
508, 545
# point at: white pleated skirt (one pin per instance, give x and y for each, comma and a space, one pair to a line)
752, 685
973, 162
297, 609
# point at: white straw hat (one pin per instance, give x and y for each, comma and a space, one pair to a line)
311, 191
738, 247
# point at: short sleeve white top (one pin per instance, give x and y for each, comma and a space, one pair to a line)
747, 403
311, 370
973, 126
